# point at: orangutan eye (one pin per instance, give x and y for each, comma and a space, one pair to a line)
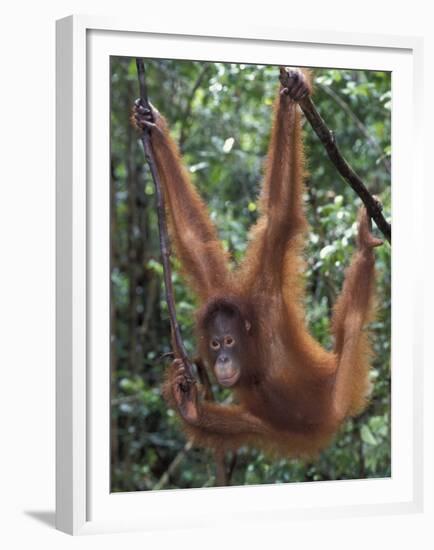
229, 341
215, 344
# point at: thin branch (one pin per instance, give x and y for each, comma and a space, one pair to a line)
173, 466
232, 464
327, 138
204, 379
187, 112
221, 477
178, 343
223, 473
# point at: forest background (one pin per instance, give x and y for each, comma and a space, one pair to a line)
220, 114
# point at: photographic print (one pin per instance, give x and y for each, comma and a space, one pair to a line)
265, 358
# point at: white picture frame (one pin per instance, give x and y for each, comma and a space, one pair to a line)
83, 500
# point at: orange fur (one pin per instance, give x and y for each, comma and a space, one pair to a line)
295, 394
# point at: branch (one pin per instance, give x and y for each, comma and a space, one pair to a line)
178, 343
327, 138
187, 112
221, 476
223, 473
165, 478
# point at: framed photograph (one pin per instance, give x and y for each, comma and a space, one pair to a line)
301, 388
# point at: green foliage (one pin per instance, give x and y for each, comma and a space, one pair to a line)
221, 116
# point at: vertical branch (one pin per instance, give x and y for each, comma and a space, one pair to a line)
178, 343
223, 472
222, 478
187, 113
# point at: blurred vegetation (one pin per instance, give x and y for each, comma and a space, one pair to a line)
220, 113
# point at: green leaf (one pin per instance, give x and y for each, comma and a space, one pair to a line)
367, 436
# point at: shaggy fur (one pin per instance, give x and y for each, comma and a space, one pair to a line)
293, 394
